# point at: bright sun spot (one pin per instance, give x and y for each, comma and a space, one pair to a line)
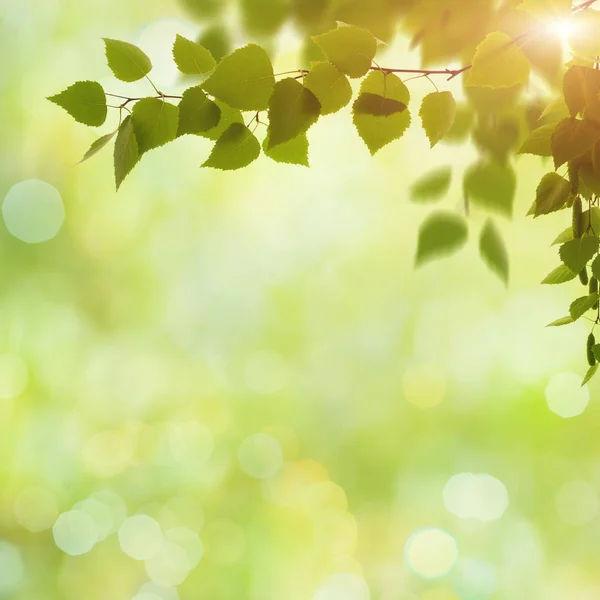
563, 28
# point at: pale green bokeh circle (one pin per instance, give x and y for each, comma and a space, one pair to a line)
140, 537
14, 375
565, 395
260, 456
33, 211
431, 552
75, 533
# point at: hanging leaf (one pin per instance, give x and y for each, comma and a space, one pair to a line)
85, 101
539, 141
571, 139
596, 267
552, 194
377, 106
590, 373
432, 185
351, 49
155, 123
580, 306
197, 114
437, 114
292, 110
243, 80
235, 149
126, 153
292, 152
492, 186
441, 234
330, 86
561, 321
97, 146
498, 63
576, 253
378, 131
126, 61
561, 274
192, 58
580, 86
493, 251
216, 40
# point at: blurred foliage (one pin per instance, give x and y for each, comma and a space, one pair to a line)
249, 360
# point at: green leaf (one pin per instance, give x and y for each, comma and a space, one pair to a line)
561, 274
437, 113
197, 114
292, 110
596, 267
493, 250
85, 101
492, 186
498, 63
330, 86
378, 131
229, 116
590, 178
441, 233
203, 9
244, 79
571, 139
590, 373
539, 141
580, 306
581, 85
292, 152
126, 61
126, 151
98, 145
155, 123
351, 49
377, 106
564, 236
576, 253
192, 58
596, 350
552, 194
561, 321
431, 186
235, 149
567, 234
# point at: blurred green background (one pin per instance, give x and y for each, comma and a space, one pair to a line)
235, 385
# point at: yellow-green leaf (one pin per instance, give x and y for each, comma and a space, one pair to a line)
155, 122
126, 153
351, 49
493, 251
561, 274
580, 306
491, 185
85, 101
126, 61
235, 149
576, 253
330, 86
552, 194
571, 139
437, 113
197, 114
192, 58
441, 233
498, 63
539, 141
432, 186
244, 79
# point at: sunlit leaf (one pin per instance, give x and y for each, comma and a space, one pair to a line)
330, 86
192, 58
235, 149
293, 152
98, 145
590, 373
155, 122
561, 321
576, 253
126, 153
292, 110
572, 138
498, 63
378, 131
561, 274
539, 141
85, 101
552, 194
580, 306
126, 61
437, 113
351, 49
197, 114
243, 80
